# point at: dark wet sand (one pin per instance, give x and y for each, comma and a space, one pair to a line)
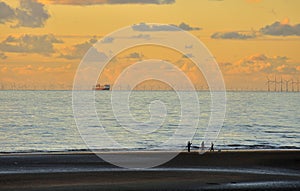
229, 170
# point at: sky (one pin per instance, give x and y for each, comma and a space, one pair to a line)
42, 42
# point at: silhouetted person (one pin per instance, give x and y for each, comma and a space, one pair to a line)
212, 147
189, 146
202, 146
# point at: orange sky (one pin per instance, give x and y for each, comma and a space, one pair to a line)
42, 42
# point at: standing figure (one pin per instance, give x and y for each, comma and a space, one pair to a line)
212, 147
189, 146
202, 146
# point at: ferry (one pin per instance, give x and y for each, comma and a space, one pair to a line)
101, 87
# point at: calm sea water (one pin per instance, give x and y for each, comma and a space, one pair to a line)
44, 121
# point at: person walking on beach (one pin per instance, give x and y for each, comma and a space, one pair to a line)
212, 147
202, 146
189, 146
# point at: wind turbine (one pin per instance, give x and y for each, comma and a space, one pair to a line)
281, 83
287, 85
268, 82
293, 85
275, 84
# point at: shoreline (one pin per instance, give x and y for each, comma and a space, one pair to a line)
87, 151
241, 170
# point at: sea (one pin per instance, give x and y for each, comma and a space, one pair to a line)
43, 121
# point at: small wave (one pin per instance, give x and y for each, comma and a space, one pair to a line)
245, 125
270, 131
255, 146
273, 126
288, 137
44, 151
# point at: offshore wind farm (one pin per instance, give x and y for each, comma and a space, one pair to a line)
282, 85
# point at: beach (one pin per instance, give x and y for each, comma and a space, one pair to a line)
226, 170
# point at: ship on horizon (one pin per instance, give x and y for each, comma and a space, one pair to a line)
101, 87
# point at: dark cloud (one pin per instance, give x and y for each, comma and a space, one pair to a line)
39, 44
29, 14
279, 29
186, 27
146, 27
151, 28
6, 13
276, 29
79, 50
232, 35
135, 55
99, 2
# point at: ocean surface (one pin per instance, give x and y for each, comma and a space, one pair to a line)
38, 121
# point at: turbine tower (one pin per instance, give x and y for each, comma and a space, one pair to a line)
268, 83
287, 85
281, 84
275, 84
293, 84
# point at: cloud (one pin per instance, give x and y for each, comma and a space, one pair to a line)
108, 40
29, 14
95, 55
142, 36
99, 2
39, 44
261, 63
232, 35
135, 55
2, 56
187, 27
79, 50
6, 13
23, 70
281, 29
153, 27
146, 27
59, 69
